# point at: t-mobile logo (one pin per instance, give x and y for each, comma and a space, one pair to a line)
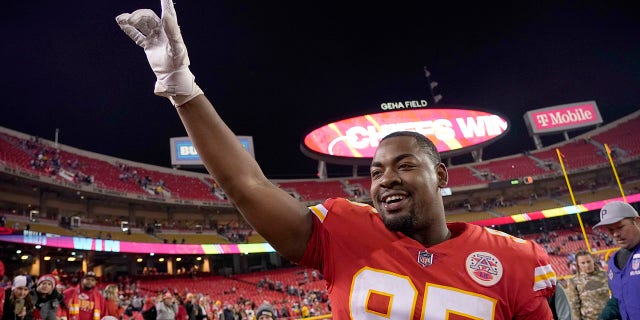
543, 119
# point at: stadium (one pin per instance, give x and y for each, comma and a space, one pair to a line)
119, 199
152, 229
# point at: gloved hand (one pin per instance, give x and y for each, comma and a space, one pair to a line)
165, 50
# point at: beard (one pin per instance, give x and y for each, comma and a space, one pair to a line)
404, 224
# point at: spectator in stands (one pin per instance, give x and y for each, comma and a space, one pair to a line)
136, 302
167, 308
588, 289
227, 313
201, 309
621, 220
112, 299
149, 308
84, 301
182, 311
49, 302
403, 247
304, 311
284, 312
18, 304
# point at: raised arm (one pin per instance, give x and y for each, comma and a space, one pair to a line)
281, 219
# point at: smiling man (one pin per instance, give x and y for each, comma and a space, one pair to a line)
399, 260
621, 220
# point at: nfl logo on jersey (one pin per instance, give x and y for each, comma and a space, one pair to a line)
425, 258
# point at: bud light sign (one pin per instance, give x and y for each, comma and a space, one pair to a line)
184, 153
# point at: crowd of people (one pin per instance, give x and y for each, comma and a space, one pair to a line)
47, 298
592, 293
50, 161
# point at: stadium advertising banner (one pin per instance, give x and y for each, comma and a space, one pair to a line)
453, 131
183, 152
101, 245
562, 117
555, 212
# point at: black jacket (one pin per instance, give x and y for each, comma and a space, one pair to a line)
48, 305
8, 312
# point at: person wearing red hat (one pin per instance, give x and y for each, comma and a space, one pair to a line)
49, 302
85, 302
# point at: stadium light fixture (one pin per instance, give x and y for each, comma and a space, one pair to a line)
427, 74
435, 98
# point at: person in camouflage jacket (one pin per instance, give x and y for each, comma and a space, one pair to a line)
588, 290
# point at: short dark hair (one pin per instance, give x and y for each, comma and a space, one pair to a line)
423, 142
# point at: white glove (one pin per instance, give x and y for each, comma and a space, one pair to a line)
162, 43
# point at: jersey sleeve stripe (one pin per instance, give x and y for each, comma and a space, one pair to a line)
544, 278
320, 211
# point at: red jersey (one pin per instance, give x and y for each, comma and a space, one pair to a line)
85, 305
375, 273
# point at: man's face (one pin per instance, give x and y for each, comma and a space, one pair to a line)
405, 184
625, 232
88, 282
